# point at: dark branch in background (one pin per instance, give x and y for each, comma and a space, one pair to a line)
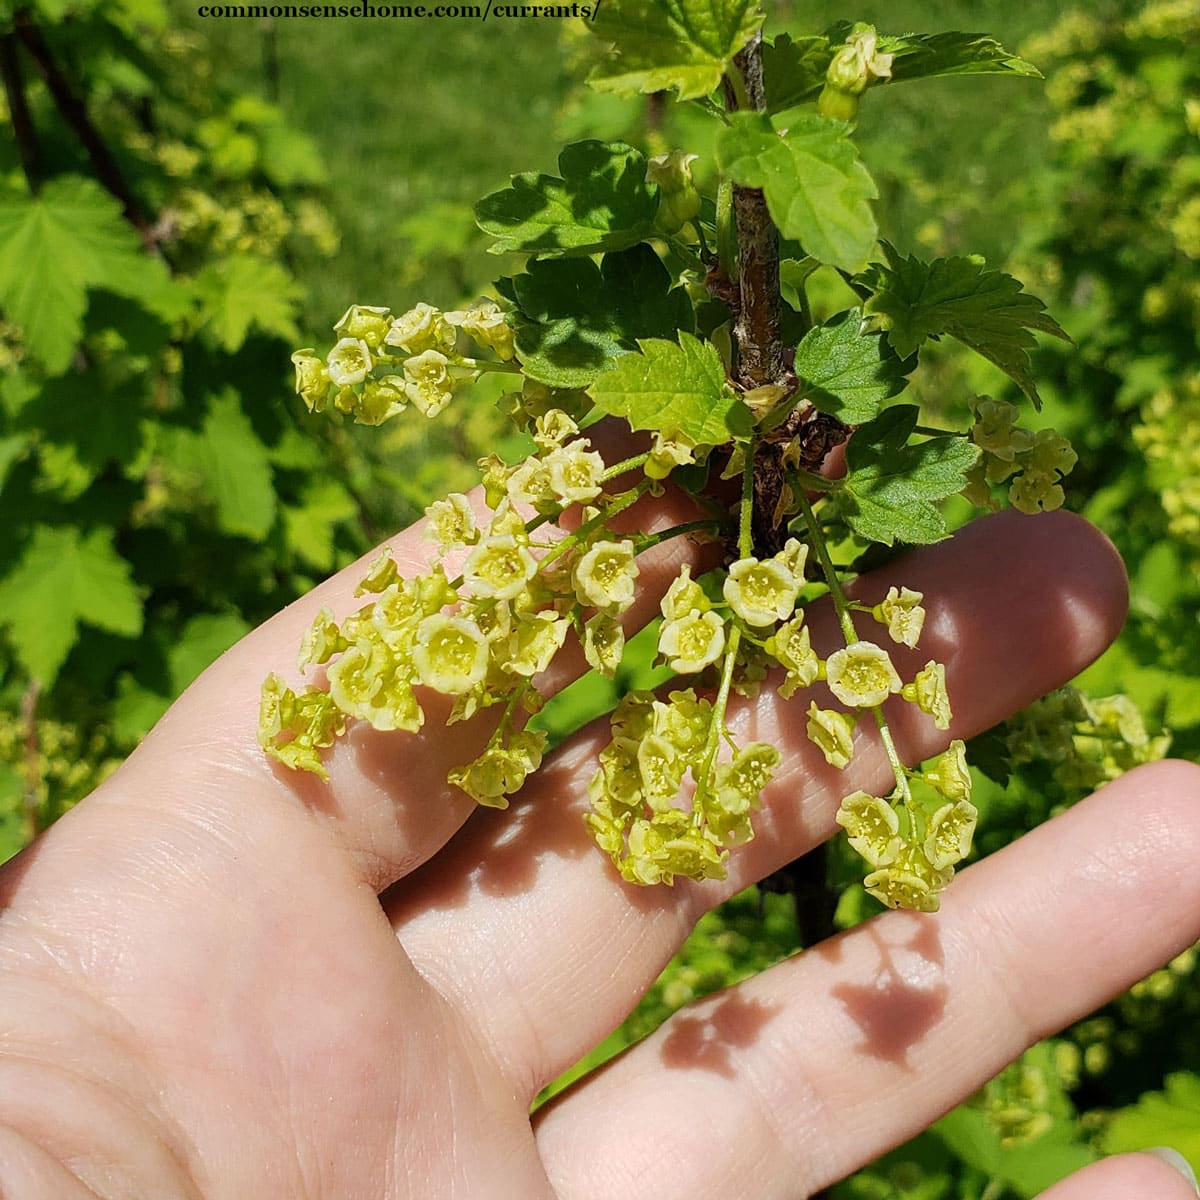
18, 107
270, 58
74, 112
760, 349
33, 775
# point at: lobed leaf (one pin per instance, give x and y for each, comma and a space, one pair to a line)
848, 371
673, 387
986, 310
660, 45
573, 317
817, 189
889, 488
55, 247
63, 578
600, 202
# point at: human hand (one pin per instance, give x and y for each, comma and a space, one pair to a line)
222, 980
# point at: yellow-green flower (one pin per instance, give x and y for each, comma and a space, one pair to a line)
690, 643
499, 568
861, 675
949, 773
833, 733
761, 592
605, 576
420, 329
901, 611
348, 362
451, 654
872, 827
951, 829
928, 692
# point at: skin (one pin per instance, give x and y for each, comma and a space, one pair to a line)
222, 979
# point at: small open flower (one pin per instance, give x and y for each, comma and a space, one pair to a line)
872, 827
366, 321
484, 322
421, 328
499, 567
451, 654
605, 576
684, 595
951, 829
901, 611
690, 643
861, 675
427, 382
911, 882
451, 522
949, 773
928, 692
833, 733
574, 473
761, 593
348, 362
603, 643
312, 379
792, 649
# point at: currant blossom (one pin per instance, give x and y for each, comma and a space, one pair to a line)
949, 774
498, 567
603, 644
928, 692
832, 732
427, 382
605, 575
951, 829
484, 322
348, 362
861, 675
761, 592
872, 827
690, 643
365, 321
451, 522
420, 329
451, 654
901, 611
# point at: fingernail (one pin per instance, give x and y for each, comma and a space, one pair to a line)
1174, 1159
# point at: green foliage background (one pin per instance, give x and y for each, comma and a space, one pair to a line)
163, 491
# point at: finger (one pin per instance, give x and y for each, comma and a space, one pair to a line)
1121, 1177
1017, 605
824, 1062
387, 802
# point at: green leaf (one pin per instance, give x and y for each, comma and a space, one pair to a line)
794, 69
63, 578
309, 527
574, 317
241, 292
601, 202
817, 189
849, 373
926, 55
986, 310
658, 45
236, 468
673, 387
203, 639
56, 246
888, 491
1167, 1118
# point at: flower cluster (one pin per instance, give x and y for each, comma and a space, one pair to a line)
1086, 741
382, 363
1034, 463
914, 844
481, 638
639, 815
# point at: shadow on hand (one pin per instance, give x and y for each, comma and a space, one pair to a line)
704, 1038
